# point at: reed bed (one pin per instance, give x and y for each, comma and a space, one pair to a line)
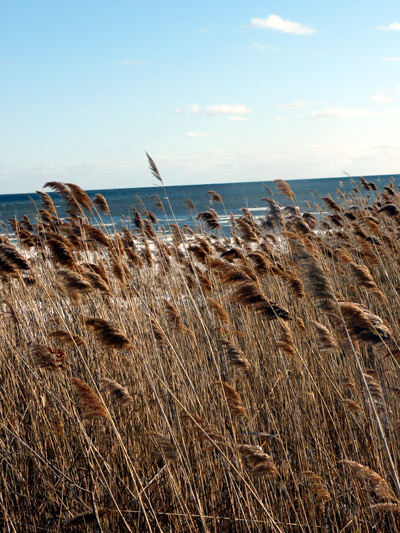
164, 379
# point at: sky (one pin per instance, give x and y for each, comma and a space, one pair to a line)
215, 91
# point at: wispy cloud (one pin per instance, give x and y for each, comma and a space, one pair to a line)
395, 26
193, 134
382, 98
263, 47
132, 62
233, 112
394, 59
343, 112
275, 22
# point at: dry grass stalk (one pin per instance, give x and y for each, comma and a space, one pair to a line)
385, 507
85, 519
90, 404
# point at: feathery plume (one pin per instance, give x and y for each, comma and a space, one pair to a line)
284, 188
261, 464
107, 334
165, 447
378, 484
101, 203
46, 357
118, 392
248, 294
153, 168
204, 432
90, 404
234, 401
235, 356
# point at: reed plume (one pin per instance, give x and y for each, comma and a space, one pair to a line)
284, 188
321, 494
80, 196
234, 400
10, 255
46, 357
364, 278
214, 196
118, 392
47, 202
364, 325
235, 355
74, 284
378, 484
153, 168
316, 279
101, 203
107, 334
67, 338
260, 463
203, 431
166, 449
89, 403
248, 294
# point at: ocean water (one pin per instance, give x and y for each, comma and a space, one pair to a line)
234, 195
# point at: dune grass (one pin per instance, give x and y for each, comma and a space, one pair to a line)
171, 380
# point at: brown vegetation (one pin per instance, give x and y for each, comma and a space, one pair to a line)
171, 381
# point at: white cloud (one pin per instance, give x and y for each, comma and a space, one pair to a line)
275, 22
280, 119
395, 26
382, 98
193, 134
394, 59
132, 63
263, 47
296, 104
237, 118
227, 110
343, 112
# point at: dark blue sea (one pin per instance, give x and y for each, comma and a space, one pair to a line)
234, 196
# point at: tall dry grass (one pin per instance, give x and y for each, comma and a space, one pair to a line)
156, 380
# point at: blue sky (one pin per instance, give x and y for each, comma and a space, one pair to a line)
214, 91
